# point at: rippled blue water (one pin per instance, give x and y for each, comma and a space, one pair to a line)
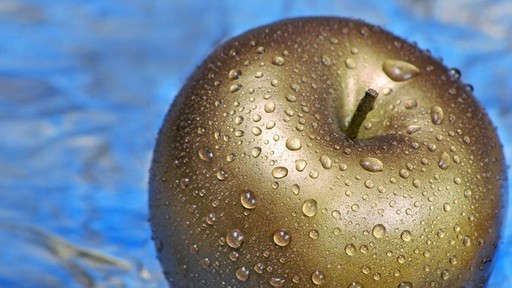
84, 86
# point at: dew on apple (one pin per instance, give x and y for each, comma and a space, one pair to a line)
278, 61
293, 143
234, 74
350, 63
256, 131
350, 249
205, 263
326, 162
318, 278
355, 285
248, 199
354, 207
205, 154
444, 161
235, 238
310, 207
242, 273
413, 128
233, 256
326, 60
221, 174
406, 235
279, 172
405, 285
399, 71
314, 234
277, 281
379, 231
235, 87
211, 218
336, 214
259, 268
313, 174
295, 189
282, 237
270, 107
410, 104
255, 152
400, 259
437, 115
371, 164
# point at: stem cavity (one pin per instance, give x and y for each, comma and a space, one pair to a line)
365, 106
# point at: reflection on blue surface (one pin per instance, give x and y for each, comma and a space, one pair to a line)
84, 86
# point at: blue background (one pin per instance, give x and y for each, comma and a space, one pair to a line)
84, 86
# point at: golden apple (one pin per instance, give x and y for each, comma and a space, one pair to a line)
272, 170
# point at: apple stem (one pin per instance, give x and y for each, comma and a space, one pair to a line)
364, 107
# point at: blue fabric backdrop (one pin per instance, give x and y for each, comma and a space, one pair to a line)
84, 86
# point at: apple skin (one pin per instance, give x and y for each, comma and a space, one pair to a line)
254, 184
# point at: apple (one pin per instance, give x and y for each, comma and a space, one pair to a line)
326, 151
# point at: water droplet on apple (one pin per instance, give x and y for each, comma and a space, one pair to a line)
242, 274
355, 284
235, 87
454, 74
259, 268
295, 189
326, 162
205, 154
248, 199
379, 231
410, 103
300, 165
279, 172
445, 274
278, 61
399, 71
270, 107
371, 164
336, 214
411, 129
222, 174
405, 285
291, 98
350, 249
406, 235
211, 218
234, 74
235, 238
444, 161
310, 207
326, 60
318, 278
437, 115
350, 63
314, 234
277, 281
282, 237
293, 143
255, 152
400, 259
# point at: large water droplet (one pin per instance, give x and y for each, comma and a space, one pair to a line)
379, 231
277, 281
235, 238
205, 154
235, 87
318, 278
406, 235
326, 162
293, 143
310, 207
248, 199
444, 161
437, 115
278, 60
255, 152
355, 284
282, 237
234, 74
279, 172
399, 71
405, 285
242, 274
350, 249
300, 165
371, 164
